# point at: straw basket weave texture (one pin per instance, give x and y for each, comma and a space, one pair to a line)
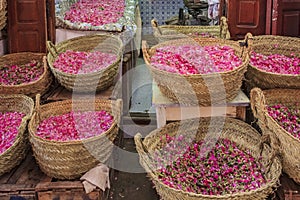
289, 146
39, 86
3, 12
17, 152
237, 131
71, 159
200, 89
267, 45
165, 33
99, 80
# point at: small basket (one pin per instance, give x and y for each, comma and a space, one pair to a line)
71, 159
172, 32
237, 131
39, 86
95, 81
200, 89
289, 146
17, 152
267, 45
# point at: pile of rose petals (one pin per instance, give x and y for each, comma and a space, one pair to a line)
79, 62
195, 59
9, 126
21, 74
96, 12
75, 125
276, 63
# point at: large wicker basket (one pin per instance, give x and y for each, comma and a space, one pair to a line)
200, 89
71, 159
165, 33
17, 152
237, 131
269, 44
289, 146
99, 80
39, 86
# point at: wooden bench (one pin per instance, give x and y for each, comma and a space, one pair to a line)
170, 111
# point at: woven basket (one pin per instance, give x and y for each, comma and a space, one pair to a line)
33, 88
71, 159
269, 44
237, 131
17, 152
200, 89
3, 12
172, 32
289, 146
99, 80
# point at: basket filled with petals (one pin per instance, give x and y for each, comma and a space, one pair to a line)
95, 15
69, 138
24, 73
209, 158
200, 71
278, 114
171, 32
274, 62
86, 63
15, 112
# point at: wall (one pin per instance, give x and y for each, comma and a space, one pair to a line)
161, 10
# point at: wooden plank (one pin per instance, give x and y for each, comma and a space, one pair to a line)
59, 185
180, 113
63, 94
29, 161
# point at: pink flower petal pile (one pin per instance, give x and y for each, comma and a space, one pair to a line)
18, 74
224, 169
9, 126
96, 12
194, 59
275, 63
75, 125
79, 62
287, 117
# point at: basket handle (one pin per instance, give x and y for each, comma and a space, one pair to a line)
275, 145
145, 50
246, 45
51, 48
139, 144
118, 105
37, 105
258, 102
155, 27
224, 31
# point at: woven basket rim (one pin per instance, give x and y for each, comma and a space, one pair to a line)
32, 132
43, 75
263, 187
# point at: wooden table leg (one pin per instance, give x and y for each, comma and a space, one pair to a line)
161, 116
241, 112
